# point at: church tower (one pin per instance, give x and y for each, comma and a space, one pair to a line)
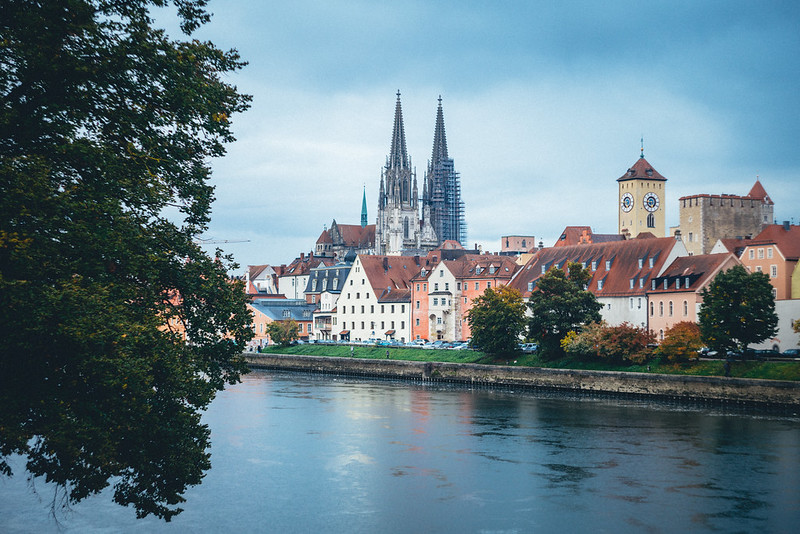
398, 224
442, 207
364, 209
642, 192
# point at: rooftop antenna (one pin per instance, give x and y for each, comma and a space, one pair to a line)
641, 154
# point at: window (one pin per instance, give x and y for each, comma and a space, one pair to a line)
653, 285
465, 300
458, 286
752, 254
661, 309
477, 286
651, 220
631, 303
640, 303
769, 252
651, 262
441, 273
299, 327
313, 299
352, 310
424, 287
417, 322
436, 287
392, 325
774, 293
488, 284
544, 269
286, 313
435, 301
402, 324
761, 254
362, 325
608, 265
438, 320
382, 310
670, 308
447, 286
417, 287
417, 304
358, 295
641, 283
392, 308
362, 309
641, 262
758, 268
335, 283
666, 283
677, 283
383, 325
314, 285
633, 281
652, 309
773, 271
594, 266
402, 308
599, 285
686, 282
530, 286
685, 308
351, 282
372, 308
690, 237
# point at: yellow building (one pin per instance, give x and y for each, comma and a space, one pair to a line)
642, 192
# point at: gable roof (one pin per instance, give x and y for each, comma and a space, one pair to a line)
698, 270
582, 235
623, 258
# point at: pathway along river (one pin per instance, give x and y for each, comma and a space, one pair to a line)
306, 453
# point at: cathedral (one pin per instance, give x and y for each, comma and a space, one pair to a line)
403, 226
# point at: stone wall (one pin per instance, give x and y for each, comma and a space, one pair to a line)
737, 390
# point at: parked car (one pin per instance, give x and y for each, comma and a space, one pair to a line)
529, 347
791, 353
765, 354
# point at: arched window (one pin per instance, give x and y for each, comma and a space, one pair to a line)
405, 227
670, 308
651, 220
661, 309
685, 308
652, 309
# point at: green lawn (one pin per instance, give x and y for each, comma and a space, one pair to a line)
741, 369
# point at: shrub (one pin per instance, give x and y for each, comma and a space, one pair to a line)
681, 342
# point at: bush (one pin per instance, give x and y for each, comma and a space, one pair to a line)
681, 342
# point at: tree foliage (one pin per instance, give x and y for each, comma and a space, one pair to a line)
622, 343
560, 304
496, 320
681, 342
738, 309
283, 332
106, 132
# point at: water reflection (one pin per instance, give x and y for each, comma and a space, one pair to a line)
299, 453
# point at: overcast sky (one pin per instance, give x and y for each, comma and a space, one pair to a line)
544, 105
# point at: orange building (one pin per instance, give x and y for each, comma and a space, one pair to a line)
775, 252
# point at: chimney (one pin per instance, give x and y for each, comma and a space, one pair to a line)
385, 264
678, 235
786, 225
302, 255
541, 245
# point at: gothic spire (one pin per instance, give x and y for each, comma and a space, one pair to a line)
364, 208
398, 155
439, 139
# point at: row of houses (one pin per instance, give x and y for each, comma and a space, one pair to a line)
647, 281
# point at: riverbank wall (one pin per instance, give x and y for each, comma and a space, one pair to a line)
764, 393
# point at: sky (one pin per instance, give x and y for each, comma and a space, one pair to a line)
545, 105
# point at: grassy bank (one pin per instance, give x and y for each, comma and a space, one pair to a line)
740, 369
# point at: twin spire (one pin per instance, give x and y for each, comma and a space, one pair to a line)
398, 154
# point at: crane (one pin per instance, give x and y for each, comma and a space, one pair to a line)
219, 241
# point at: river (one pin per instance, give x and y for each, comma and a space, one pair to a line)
306, 453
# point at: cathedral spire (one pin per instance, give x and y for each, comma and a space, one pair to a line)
398, 155
439, 138
364, 208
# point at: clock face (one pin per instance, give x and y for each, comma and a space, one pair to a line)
626, 202
651, 202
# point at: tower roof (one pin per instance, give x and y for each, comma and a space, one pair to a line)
364, 208
641, 170
398, 154
759, 193
439, 138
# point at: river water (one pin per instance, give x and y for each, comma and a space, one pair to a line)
305, 453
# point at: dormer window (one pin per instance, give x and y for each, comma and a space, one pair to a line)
594, 265
641, 262
608, 265
530, 286
651, 262
677, 283
492, 269
666, 283
687, 282
599, 285
544, 269
633, 281
653, 285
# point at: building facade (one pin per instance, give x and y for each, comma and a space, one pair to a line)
705, 219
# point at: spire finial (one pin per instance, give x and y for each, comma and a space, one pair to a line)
641, 154
398, 94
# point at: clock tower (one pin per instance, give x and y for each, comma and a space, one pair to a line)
642, 192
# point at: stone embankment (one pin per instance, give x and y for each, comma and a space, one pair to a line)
775, 393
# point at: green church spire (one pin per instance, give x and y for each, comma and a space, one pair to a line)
364, 209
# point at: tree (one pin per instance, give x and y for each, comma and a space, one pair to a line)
107, 128
738, 309
559, 305
283, 332
681, 342
618, 344
496, 320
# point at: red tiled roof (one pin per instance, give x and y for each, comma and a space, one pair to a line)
582, 235
758, 192
389, 272
698, 269
355, 235
623, 255
641, 170
324, 237
788, 241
